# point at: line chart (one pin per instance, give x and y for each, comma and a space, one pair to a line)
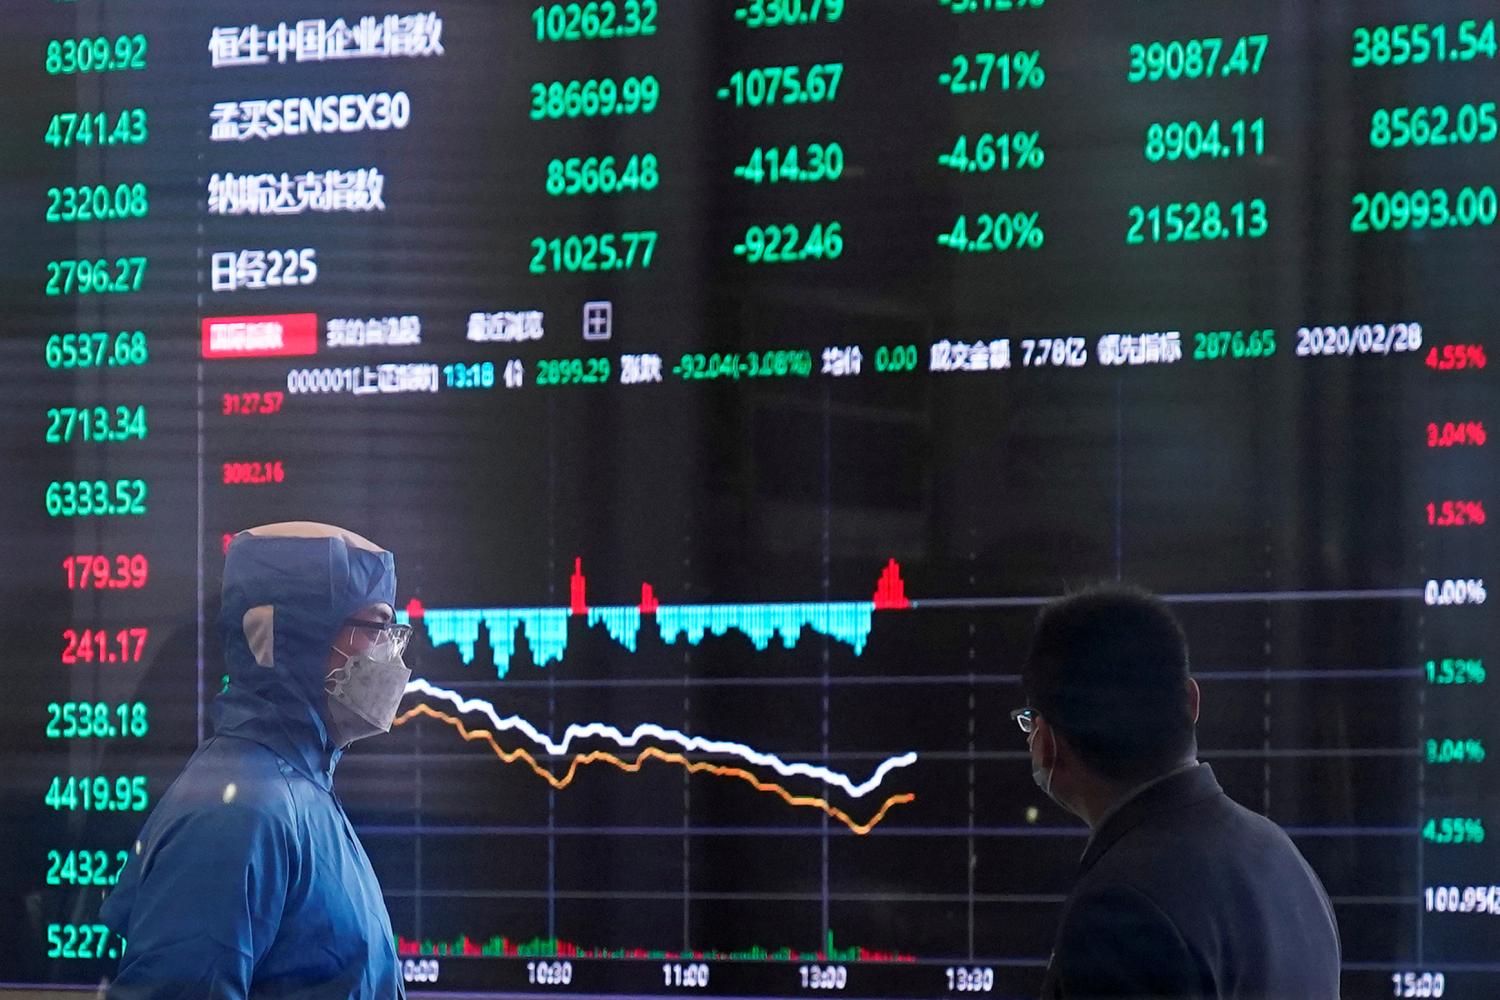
691, 744
654, 753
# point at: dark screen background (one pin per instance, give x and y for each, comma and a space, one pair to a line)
1279, 499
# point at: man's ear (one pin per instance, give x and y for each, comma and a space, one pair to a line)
259, 624
1045, 740
1193, 699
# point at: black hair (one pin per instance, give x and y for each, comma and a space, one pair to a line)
1108, 668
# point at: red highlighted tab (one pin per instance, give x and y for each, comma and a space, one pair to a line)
260, 336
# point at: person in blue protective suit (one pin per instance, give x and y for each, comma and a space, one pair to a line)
247, 879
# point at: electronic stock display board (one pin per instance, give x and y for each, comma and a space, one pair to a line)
733, 380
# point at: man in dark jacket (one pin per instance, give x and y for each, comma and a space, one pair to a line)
1182, 892
247, 879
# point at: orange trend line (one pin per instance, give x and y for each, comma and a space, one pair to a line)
650, 753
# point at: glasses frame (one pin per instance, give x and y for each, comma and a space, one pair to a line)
1025, 718
395, 633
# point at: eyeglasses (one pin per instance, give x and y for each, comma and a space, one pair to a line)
389, 637
1025, 718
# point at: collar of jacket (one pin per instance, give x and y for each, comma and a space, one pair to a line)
1174, 792
268, 713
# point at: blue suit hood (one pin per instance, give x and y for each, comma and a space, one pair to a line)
310, 585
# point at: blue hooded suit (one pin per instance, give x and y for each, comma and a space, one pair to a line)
247, 879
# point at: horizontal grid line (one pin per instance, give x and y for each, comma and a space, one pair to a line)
952, 756
936, 680
652, 896
655, 896
1079, 832
1224, 597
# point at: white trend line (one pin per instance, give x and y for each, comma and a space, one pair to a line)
652, 730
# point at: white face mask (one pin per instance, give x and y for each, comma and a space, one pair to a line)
364, 693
